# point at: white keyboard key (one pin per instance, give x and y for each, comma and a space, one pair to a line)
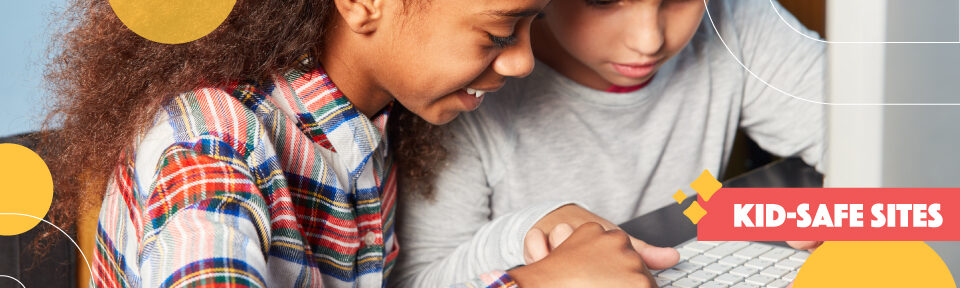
726, 249
668, 286
752, 251
712, 243
789, 264
655, 272
702, 276
779, 283
777, 254
718, 268
702, 260
728, 279
686, 283
662, 282
686, 266
687, 253
698, 246
714, 284
759, 279
732, 260
743, 271
800, 256
774, 272
744, 285
790, 276
671, 274
758, 263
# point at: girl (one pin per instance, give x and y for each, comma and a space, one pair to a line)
256, 156
630, 101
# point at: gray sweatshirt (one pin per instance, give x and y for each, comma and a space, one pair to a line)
545, 140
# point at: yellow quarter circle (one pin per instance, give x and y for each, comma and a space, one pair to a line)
876, 264
172, 21
26, 187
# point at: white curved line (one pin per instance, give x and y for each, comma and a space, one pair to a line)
714, 24
89, 268
774, 6
14, 279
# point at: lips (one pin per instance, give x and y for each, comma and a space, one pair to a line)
471, 97
475, 92
634, 70
471, 101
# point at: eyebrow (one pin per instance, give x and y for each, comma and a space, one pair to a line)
515, 13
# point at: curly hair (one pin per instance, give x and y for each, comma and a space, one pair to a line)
107, 83
418, 152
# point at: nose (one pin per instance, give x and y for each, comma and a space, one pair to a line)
516, 60
645, 31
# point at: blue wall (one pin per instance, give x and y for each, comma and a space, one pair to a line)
24, 30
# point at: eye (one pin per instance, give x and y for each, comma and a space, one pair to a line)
502, 42
601, 2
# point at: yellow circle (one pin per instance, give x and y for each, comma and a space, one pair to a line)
25, 188
172, 21
874, 264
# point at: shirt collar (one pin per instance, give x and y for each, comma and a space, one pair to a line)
325, 115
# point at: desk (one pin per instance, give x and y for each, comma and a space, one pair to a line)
667, 227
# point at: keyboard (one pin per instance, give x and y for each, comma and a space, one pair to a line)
732, 264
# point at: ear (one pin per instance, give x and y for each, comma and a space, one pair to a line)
362, 16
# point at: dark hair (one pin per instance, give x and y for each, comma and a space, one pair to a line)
418, 152
107, 83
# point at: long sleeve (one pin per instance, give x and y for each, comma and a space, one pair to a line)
493, 279
205, 221
452, 238
253, 185
779, 123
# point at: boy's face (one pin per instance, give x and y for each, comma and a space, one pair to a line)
600, 43
438, 50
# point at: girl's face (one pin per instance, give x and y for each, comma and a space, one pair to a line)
600, 43
438, 51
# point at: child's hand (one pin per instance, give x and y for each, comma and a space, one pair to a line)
538, 245
805, 245
562, 221
590, 256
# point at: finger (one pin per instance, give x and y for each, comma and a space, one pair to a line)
590, 228
654, 257
535, 246
805, 245
660, 258
791, 285
585, 233
815, 246
559, 234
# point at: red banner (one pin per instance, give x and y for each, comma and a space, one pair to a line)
830, 214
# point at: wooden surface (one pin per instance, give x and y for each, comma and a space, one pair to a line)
812, 13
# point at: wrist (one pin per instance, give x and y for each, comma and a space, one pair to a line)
525, 276
569, 213
497, 279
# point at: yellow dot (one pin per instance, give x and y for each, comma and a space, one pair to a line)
25, 188
172, 21
874, 264
706, 185
679, 196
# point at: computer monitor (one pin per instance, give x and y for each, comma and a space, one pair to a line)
900, 60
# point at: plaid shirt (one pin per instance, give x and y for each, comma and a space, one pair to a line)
281, 184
